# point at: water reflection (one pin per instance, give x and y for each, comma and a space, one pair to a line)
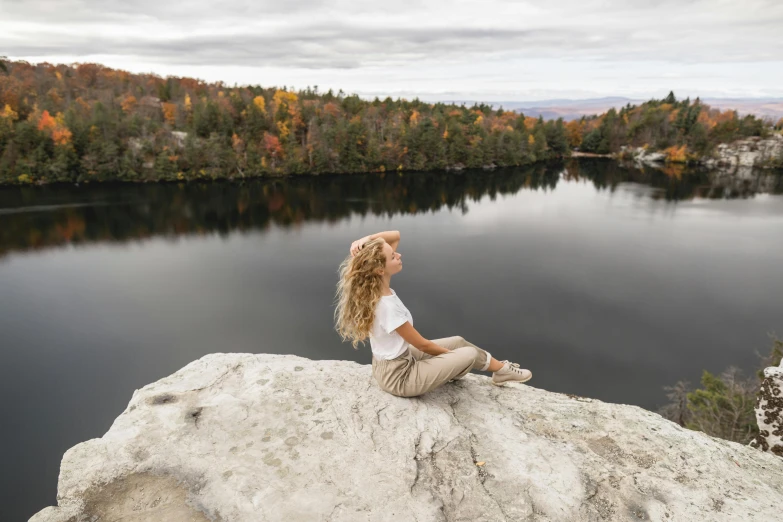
40, 217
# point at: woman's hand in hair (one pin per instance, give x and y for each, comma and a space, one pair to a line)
358, 244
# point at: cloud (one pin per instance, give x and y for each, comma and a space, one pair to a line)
463, 36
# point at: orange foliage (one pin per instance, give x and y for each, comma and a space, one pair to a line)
237, 144
530, 122
676, 154
170, 112
55, 127
272, 145
575, 132
84, 107
46, 122
332, 109
61, 135
128, 104
415, 116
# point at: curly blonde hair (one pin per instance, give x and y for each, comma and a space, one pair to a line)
358, 292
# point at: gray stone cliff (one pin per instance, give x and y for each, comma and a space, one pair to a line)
242, 437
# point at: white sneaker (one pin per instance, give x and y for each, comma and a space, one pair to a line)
511, 372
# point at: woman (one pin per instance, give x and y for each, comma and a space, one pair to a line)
403, 362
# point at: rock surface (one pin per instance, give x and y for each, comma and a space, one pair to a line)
243, 437
748, 153
769, 412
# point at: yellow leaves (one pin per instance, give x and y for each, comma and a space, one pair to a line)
282, 130
479, 120
9, 113
58, 74
263, 162
221, 94
237, 144
260, 103
128, 104
445, 134
415, 117
285, 96
24, 178
531, 140
673, 114
170, 112
188, 103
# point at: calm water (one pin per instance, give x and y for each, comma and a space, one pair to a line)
606, 282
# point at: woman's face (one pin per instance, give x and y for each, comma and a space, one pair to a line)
393, 260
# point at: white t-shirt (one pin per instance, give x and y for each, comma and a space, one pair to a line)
390, 314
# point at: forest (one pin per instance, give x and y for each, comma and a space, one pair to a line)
84, 122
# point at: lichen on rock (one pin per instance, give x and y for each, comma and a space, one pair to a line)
769, 412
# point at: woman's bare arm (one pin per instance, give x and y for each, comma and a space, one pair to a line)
390, 236
414, 338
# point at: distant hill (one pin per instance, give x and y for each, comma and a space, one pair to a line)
767, 108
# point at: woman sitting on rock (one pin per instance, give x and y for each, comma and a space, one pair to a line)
403, 362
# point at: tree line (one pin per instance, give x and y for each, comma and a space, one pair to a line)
684, 130
85, 122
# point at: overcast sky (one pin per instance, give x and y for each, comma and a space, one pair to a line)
490, 50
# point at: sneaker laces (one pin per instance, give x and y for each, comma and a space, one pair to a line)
512, 366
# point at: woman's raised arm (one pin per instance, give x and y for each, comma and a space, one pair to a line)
390, 236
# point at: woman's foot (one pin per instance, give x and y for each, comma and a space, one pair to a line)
511, 372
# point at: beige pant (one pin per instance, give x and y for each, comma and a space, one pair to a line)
415, 372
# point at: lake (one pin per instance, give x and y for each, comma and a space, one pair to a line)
605, 281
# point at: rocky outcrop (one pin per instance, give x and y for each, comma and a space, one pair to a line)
748, 153
769, 412
641, 156
737, 158
242, 437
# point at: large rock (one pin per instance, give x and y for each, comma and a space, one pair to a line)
745, 154
769, 412
241, 437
